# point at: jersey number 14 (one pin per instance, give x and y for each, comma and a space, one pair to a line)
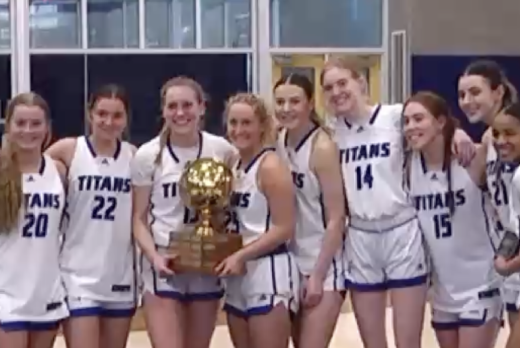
364, 177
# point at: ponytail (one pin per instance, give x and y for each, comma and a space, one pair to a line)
315, 118
11, 195
510, 94
449, 132
164, 135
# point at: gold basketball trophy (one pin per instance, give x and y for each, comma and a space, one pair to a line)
205, 187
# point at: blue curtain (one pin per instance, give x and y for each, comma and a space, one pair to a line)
61, 80
441, 73
143, 76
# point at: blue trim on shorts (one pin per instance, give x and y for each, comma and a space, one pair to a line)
250, 312
442, 326
388, 284
30, 325
204, 296
511, 307
102, 312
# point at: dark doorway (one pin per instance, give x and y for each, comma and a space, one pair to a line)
60, 80
143, 76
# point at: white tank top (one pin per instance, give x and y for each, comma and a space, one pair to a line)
251, 210
459, 244
168, 214
498, 178
372, 160
310, 220
30, 283
98, 255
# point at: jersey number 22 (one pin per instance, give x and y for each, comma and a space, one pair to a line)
104, 208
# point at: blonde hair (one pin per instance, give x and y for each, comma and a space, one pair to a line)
11, 194
181, 81
356, 65
260, 110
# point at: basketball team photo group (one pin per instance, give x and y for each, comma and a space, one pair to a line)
271, 227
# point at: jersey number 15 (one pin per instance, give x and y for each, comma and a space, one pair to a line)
442, 226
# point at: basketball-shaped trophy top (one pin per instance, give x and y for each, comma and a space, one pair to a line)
206, 182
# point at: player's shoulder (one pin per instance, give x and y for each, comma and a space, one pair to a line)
129, 147
391, 109
214, 139
149, 148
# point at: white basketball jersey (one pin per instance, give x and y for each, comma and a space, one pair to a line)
498, 178
459, 243
372, 160
310, 218
98, 255
30, 282
250, 208
168, 214
514, 206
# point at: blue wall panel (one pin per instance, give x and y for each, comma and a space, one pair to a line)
440, 74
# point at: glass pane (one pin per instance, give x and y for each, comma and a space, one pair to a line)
5, 26
226, 23
170, 23
113, 23
55, 24
60, 79
326, 23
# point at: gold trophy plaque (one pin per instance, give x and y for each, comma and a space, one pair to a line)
205, 187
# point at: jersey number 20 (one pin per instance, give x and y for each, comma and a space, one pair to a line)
104, 208
442, 226
35, 226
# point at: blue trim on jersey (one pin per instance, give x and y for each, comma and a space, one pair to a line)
303, 140
441, 326
90, 147
256, 158
486, 219
388, 284
372, 117
99, 311
425, 167
30, 325
42, 166
174, 155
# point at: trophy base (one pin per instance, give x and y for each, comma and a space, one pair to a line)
201, 254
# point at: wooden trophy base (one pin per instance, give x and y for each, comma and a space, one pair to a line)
201, 254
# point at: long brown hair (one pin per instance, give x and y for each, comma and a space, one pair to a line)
11, 194
307, 87
438, 107
496, 77
181, 81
